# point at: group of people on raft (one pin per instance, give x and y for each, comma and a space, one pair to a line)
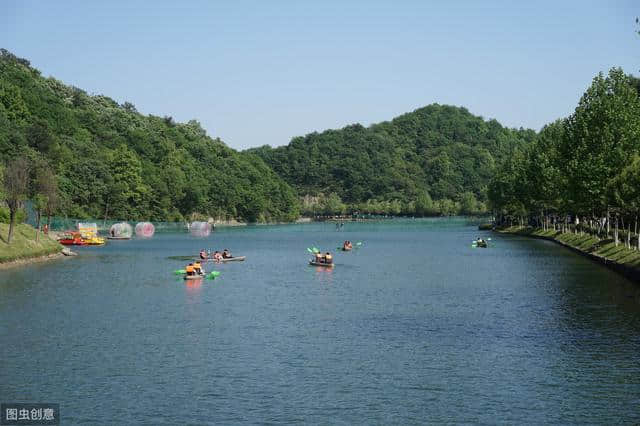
194, 268
216, 255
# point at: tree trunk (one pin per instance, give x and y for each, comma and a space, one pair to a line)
636, 232
12, 218
38, 215
615, 232
608, 219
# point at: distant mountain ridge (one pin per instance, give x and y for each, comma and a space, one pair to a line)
437, 153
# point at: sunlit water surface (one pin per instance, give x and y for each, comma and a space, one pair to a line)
415, 326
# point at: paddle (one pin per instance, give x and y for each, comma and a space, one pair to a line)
179, 272
212, 275
313, 250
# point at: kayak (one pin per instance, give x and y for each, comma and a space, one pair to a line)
326, 265
193, 277
118, 238
345, 249
233, 259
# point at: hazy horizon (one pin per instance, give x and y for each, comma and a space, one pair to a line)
255, 74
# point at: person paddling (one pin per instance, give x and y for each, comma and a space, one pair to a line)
328, 258
226, 254
190, 269
217, 256
197, 268
203, 254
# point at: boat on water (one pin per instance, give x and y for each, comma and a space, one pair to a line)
194, 277
233, 259
326, 265
72, 239
346, 249
118, 238
95, 241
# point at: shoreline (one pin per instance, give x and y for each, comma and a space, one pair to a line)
24, 260
24, 248
588, 246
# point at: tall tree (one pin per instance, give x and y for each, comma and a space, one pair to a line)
45, 193
601, 135
16, 186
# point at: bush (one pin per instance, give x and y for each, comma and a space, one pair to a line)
21, 215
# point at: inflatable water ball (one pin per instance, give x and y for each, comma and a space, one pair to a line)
120, 230
145, 229
200, 229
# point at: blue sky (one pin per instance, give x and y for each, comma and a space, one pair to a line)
262, 72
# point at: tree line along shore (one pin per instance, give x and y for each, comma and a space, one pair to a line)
582, 174
79, 155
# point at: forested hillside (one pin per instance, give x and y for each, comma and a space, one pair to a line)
112, 162
435, 160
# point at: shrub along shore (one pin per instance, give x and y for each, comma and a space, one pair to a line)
24, 246
616, 256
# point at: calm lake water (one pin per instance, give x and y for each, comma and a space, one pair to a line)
414, 327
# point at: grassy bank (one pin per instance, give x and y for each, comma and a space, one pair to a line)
601, 250
24, 245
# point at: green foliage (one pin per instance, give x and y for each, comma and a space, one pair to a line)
112, 162
583, 166
21, 215
442, 150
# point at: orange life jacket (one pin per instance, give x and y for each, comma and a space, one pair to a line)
189, 268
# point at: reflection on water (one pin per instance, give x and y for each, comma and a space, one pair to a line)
413, 327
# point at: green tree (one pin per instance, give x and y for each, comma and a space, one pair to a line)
16, 186
600, 137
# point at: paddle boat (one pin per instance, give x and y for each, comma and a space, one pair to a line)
72, 239
95, 241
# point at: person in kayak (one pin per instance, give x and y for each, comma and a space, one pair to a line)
328, 258
190, 269
203, 254
197, 268
347, 245
217, 256
319, 257
226, 254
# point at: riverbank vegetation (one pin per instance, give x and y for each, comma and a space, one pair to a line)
606, 249
26, 243
111, 162
582, 173
436, 160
